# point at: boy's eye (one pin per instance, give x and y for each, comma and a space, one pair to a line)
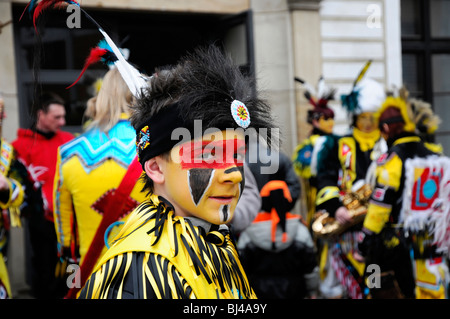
239, 156
208, 155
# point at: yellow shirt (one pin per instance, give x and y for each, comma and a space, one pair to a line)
174, 258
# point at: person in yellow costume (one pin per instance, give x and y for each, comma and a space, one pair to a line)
190, 133
321, 118
12, 175
406, 226
90, 169
342, 164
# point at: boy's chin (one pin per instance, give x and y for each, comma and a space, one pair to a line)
216, 219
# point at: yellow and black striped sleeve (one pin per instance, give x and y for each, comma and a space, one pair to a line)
385, 193
137, 275
328, 168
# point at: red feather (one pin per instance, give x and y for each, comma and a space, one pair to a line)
44, 4
94, 56
24, 11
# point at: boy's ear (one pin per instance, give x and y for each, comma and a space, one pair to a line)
153, 170
385, 128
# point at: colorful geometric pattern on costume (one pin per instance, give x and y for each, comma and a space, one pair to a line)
431, 278
5, 156
349, 272
91, 156
101, 203
171, 257
240, 113
93, 149
426, 198
143, 139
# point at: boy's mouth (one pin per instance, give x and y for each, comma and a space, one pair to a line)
222, 199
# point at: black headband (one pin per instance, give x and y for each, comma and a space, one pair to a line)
395, 119
155, 134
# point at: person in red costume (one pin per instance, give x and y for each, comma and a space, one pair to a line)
36, 149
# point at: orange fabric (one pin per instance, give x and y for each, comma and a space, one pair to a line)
276, 184
273, 215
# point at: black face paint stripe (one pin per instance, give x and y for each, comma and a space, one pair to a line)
237, 169
199, 180
225, 212
233, 169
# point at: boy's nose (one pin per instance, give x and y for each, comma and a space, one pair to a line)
232, 174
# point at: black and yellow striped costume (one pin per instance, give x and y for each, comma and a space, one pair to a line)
385, 242
160, 255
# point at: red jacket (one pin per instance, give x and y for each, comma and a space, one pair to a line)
39, 155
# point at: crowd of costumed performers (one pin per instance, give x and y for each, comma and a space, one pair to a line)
147, 204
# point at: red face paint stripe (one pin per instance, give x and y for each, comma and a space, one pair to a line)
219, 154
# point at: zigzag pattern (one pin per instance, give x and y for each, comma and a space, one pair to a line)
93, 148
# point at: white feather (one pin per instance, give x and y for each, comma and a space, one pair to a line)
132, 77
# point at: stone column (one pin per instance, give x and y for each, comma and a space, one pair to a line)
274, 64
8, 81
307, 54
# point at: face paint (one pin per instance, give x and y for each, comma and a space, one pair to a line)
205, 178
224, 212
199, 181
241, 170
212, 154
366, 122
326, 124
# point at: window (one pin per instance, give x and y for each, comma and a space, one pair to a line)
426, 57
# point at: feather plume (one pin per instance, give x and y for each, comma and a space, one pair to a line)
426, 121
350, 101
362, 73
324, 93
132, 77
309, 93
96, 55
30, 6
44, 5
320, 97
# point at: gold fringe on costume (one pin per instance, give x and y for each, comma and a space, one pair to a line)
159, 255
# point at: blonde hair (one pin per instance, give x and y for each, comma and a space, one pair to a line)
113, 99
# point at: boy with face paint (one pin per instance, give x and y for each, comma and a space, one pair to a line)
210, 187
176, 244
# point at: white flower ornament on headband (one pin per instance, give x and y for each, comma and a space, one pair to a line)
240, 113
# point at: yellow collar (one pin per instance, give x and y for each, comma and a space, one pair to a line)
366, 141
